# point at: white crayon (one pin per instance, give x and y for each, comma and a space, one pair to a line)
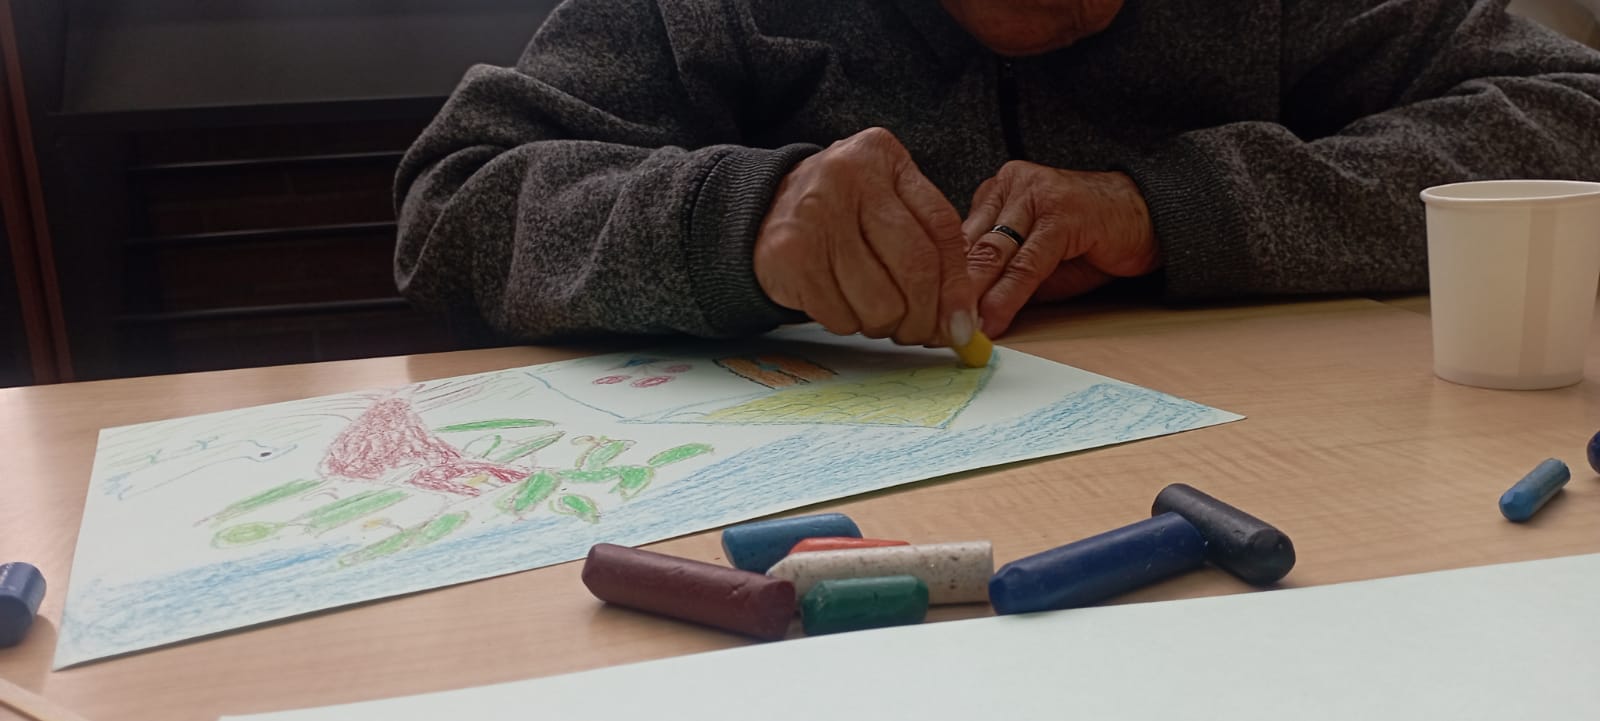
954, 572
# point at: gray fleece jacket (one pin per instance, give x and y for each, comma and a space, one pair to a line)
614, 180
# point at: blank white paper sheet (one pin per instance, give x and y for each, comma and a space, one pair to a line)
1513, 641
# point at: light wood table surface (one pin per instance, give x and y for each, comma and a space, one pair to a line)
1371, 464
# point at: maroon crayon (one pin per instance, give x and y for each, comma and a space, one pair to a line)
727, 598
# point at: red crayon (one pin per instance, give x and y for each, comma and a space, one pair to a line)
753, 604
842, 543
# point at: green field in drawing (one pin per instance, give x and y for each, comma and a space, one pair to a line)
920, 397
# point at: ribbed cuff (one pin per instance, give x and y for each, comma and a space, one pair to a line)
720, 244
1198, 222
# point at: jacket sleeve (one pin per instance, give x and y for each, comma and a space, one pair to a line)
1380, 99
598, 186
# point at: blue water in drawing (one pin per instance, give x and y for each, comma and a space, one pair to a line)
822, 462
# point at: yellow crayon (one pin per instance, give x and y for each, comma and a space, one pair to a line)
975, 354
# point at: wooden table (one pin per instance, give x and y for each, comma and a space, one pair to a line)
1374, 466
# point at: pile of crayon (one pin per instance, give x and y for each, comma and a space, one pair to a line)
823, 569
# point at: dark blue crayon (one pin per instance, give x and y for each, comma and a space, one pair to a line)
1534, 490
1594, 452
757, 546
1094, 569
21, 591
1236, 542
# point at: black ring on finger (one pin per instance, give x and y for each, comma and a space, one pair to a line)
1006, 231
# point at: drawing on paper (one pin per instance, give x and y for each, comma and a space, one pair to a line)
922, 397
270, 512
775, 370
789, 389
205, 455
388, 445
643, 372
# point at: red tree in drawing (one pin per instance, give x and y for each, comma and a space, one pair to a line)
446, 476
390, 436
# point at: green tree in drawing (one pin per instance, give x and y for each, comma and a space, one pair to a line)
498, 448
595, 465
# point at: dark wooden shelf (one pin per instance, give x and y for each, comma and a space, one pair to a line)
390, 157
232, 116
263, 235
266, 311
219, 174
165, 55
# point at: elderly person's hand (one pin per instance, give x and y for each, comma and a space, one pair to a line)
860, 241
1079, 231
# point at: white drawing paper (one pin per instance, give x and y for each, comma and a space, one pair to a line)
200, 525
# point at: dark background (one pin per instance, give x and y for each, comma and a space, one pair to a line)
201, 184
197, 185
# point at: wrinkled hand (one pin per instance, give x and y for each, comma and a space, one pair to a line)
860, 241
1081, 230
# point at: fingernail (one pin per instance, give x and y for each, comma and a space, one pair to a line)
961, 328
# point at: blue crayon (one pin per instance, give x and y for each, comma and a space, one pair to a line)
21, 591
1534, 490
1099, 567
759, 545
1594, 452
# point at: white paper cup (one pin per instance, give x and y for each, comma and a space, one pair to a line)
1512, 269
